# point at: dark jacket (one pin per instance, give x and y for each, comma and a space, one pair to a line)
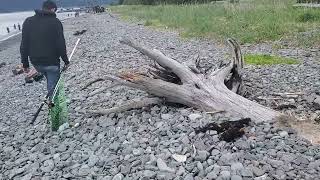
43, 40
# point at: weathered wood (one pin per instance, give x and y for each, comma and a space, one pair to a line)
92, 82
208, 94
212, 92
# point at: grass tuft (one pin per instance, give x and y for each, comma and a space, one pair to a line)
263, 59
308, 17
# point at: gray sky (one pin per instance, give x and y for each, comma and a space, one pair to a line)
19, 5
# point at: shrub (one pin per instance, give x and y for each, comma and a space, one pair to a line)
307, 17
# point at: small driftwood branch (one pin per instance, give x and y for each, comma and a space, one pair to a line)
133, 104
91, 83
101, 90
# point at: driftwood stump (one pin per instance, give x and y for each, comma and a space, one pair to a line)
205, 89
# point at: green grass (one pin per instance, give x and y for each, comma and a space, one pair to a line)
251, 21
262, 59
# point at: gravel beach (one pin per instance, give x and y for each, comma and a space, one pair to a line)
152, 143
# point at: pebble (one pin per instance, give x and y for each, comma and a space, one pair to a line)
225, 175
202, 156
179, 158
118, 177
189, 177
163, 166
236, 177
215, 152
212, 175
257, 171
149, 174
166, 116
246, 173
283, 134
236, 167
194, 117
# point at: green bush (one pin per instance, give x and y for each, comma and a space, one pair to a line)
308, 1
308, 17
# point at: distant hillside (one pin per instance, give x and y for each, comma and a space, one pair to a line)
24, 5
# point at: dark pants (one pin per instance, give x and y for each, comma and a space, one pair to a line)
52, 74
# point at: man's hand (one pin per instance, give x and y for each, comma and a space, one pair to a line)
26, 70
65, 67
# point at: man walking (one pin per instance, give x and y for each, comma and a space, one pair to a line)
43, 43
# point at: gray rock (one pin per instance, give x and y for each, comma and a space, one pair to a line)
163, 166
27, 177
62, 148
188, 177
226, 159
283, 134
280, 174
237, 167
166, 116
48, 166
149, 174
185, 140
288, 158
200, 166
241, 144
215, 152
316, 102
106, 122
114, 146
236, 177
84, 170
137, 152
257, 171
202, 156
118, 177
225, 175
164, 175
16, 172
125, 169
93, 159
314, 165
212, 175
275, 163
301, 160
181, 171
107, 178
263, 177
194, 117
246, 173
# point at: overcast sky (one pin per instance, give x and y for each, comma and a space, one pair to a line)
20, 5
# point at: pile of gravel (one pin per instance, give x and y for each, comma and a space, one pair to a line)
153, 142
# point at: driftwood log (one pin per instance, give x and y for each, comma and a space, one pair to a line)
205, 89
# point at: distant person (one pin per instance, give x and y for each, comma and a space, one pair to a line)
44, 43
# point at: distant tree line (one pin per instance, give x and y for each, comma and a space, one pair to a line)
308, 1
155, 2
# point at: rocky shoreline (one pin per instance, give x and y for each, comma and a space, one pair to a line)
150, 143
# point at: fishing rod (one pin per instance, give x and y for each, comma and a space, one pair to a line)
50, 103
